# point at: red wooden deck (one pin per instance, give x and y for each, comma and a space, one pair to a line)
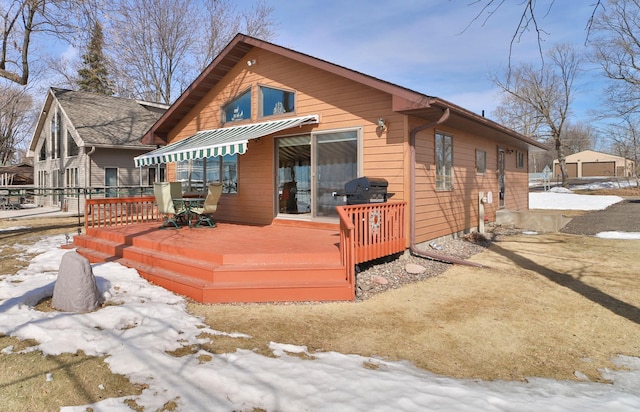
228, 263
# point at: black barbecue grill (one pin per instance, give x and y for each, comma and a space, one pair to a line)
366, 190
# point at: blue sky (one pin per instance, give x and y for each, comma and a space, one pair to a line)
432, 46
423, 44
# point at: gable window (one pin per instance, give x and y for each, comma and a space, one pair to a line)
520, 160
56, 135
275, 101
481, 162
53, 136
444, 162
239, 108
72, 147
43, 151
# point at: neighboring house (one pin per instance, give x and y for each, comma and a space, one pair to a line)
88, 140
285, 131
14, 175
590, 163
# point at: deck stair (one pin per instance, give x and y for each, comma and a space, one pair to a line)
227, 263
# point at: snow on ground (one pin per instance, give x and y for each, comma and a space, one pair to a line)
564, 199
559, 198
149, 321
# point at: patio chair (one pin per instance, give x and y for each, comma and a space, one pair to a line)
210, 205
162, 192
176, 193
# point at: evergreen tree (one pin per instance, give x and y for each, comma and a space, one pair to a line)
93, 76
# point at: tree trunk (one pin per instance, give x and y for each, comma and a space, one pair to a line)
561, 161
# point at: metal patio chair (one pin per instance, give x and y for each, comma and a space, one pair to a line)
164, 200
210, 205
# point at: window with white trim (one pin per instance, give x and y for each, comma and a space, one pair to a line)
444, 161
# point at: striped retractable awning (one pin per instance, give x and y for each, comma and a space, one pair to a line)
219, 142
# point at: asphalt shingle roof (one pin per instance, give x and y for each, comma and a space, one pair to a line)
106, 120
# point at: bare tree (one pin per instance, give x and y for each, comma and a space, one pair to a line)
22, 19
616, 45
222, 21
153, 39
529, 20
16, 118
64, 71
625, 139
518, 115
159, 46
578, 137
548, 91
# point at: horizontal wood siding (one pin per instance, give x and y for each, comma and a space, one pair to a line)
128, 174
441, 213
516, 183
340, 103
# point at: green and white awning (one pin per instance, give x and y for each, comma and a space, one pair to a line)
219, 142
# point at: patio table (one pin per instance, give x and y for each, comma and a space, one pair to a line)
187, 204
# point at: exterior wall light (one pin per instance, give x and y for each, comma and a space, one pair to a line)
251, 62
382, 124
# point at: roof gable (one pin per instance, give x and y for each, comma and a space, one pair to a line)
404, 100
101, 120
591, 155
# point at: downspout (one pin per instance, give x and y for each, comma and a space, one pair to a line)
87, 178
412, 208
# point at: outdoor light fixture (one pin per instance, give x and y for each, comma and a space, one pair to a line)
251, 62
381, 124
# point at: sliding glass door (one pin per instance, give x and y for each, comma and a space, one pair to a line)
294, 175
312, 171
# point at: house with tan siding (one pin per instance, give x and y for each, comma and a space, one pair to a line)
285, 132
87, 141
590, 163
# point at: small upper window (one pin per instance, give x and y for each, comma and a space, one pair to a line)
239, 108
275, 101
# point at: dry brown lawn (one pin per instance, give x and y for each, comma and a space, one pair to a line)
544, 306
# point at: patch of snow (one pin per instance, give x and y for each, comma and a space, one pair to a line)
619, 235
570, 201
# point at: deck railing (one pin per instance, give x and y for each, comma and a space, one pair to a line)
370, 231
120, 211
347, 245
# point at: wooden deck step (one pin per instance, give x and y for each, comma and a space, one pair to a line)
243, 291
95, 256
102, 245
230, 263
175, 282
187, 266
278, 293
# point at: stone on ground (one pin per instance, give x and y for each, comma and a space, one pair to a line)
75, 289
